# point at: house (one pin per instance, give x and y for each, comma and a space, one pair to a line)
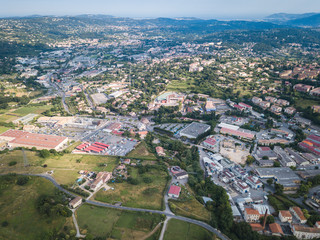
251, 215
74, 203
181, 175
290, 110
317, 225
174, 191
276, 109
275, 229
256, 100
285, 216
302, 88
283, 102
271, 99
254, 182
246, 106
296, 211
160, 151
302, 232
315, 92
101, 178
257, 227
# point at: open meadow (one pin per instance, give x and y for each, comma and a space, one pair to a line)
65, 168
179, 230
18, 209
115, 224
142, 195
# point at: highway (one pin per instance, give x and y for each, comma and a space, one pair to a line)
166, 213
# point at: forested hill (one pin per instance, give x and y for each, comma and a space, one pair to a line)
20, 36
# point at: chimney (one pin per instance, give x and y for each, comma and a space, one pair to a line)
265, 219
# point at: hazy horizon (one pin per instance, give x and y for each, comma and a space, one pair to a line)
205, 9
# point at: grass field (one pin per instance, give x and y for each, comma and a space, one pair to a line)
142, 152
32, 109
3, 129
65, 167
304, 103
180, 85
179, 230
17, 207
9, 116
143, 195
190, 208
115, 224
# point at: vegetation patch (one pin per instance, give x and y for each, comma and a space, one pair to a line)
177, 230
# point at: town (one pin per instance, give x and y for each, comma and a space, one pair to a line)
186, 131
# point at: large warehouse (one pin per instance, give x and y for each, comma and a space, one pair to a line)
17, 138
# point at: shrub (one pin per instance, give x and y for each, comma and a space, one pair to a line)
12, 163
4, 224
22, 180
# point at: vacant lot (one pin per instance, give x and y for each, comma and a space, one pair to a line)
180, 85
142, 152
65, 168
179, 230
190, 208
17, 207
115, 224
142, 195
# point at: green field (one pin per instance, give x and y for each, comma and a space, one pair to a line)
179, 230
3, 129
17, 207
32, 109
142, 152
143, 195
180, 85
65, 167
115, 224
304, 103
190, 208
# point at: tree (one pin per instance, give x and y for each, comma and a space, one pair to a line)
22, 180
44, 153
276, 164
278, 187
270, 181
250, 159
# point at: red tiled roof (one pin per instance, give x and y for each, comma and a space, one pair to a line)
275, 228
175, 190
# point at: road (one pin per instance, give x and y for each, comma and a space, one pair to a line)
166, 213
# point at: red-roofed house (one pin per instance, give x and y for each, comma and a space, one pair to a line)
275, 229
174, 191
251, 215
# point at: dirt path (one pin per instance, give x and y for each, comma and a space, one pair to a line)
152, 232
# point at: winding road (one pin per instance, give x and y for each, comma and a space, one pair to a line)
166, 213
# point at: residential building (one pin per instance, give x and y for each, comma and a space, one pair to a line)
302, 88
246, 106
160, 151
74, 203
174, 191
296, 211
101, 178
290, 110
315, 92
285, 216
181, 175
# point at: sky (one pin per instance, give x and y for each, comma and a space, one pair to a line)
207, 9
